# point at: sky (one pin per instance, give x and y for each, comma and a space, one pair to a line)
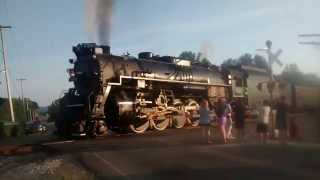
44, 31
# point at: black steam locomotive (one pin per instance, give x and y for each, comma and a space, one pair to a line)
127, 93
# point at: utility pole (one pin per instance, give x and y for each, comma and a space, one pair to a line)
6, 71
22, 97
272, 58
29, 111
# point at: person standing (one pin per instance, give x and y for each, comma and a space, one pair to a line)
281, 119
205, 122
239, 114
263, 121
229, 121
221, 110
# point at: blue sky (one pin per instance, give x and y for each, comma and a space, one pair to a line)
44, 32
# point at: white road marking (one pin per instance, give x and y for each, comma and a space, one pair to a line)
58, 142
108, 163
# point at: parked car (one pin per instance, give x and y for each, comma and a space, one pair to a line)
35, 127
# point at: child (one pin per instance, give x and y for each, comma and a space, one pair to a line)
239, 117
205, 120
229, 121
263, 121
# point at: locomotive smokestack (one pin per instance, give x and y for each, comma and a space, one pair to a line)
98, 20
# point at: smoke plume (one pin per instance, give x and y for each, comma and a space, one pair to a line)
206, 50
98, 20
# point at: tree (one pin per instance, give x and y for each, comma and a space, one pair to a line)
247, 60
205, 61
195, 57
292, 74
230, 62
188, 55
19, 110
54, 110
260, 62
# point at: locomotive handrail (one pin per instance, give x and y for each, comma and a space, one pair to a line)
164, 80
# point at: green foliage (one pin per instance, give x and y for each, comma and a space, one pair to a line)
5, 110
20, 110
10, 130
205, 61
260, 62
195, 57
292, 74
188, 55
247, 60
230, 62
20, 116
54, 110
17, 130
2, 130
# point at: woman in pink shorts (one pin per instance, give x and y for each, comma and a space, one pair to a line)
221, 112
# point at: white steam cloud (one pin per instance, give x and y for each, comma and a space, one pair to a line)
98, 20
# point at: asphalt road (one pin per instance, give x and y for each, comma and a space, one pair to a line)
182, 154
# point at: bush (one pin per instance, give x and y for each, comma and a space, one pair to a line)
2, 133
10, 130
17, 131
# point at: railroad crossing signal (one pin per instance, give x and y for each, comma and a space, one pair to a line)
272, 57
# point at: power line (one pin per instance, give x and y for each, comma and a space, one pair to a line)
314, 43
311, 43
309, 35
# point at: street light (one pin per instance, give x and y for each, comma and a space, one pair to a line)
6, 71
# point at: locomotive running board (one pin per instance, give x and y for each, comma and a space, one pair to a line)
163, 80
132, 102
78, 134
75, 105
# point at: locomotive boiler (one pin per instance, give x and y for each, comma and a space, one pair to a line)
127, 93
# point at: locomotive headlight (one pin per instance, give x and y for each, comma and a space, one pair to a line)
98, 50
229, 79
71, 72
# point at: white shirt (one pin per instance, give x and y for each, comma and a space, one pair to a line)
264, 114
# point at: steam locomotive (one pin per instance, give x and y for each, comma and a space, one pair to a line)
127, 93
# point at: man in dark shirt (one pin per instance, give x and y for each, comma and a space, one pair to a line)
239, 117
281, 119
